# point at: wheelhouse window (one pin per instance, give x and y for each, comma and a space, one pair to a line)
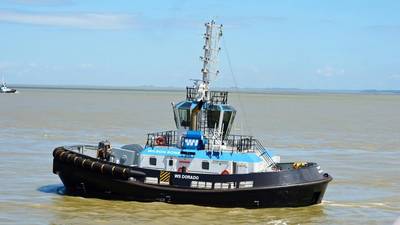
153, 161
229, 117
170, 162
184, 115
213, 114
205, 165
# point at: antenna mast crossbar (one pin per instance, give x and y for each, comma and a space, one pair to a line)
211, 49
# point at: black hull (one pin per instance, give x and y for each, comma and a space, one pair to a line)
9, 92
79, 180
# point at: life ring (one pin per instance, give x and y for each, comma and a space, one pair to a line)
180, 169
160, 140
225, 172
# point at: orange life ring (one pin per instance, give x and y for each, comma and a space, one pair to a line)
225, 172
160, 140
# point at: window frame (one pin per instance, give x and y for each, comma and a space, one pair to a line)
155, 161
205, 163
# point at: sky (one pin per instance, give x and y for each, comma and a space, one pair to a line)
341, 45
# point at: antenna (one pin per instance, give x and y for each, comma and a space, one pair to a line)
211, 49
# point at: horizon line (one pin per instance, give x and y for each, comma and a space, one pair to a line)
232, 89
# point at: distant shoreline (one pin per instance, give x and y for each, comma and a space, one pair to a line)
176, 89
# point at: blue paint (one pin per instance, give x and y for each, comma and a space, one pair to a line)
194, 134
203, 154
193, 139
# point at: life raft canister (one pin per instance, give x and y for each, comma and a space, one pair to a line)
160, 140
225, 172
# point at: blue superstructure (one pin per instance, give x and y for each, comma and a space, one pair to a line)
204, 155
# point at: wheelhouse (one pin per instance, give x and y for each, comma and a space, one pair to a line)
214, 116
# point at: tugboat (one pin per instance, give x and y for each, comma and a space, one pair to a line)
200, 162
5, 89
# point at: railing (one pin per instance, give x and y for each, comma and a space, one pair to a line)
258, 147
216, 97
90, 150
169, 138
240, 143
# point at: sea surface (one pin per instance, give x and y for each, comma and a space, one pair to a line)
354, 137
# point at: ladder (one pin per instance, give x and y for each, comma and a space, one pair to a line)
259, 148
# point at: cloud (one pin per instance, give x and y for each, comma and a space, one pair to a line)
329, 71
71, 20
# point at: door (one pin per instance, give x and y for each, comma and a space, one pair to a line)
170, 164
234, 168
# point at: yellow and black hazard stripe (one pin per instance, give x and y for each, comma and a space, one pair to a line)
164, 176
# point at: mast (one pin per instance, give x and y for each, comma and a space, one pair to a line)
3, 83
211, 49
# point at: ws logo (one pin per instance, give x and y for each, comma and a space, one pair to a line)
191, 142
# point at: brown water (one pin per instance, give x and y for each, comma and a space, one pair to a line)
355, 138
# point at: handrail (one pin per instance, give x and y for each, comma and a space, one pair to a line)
170, 137
264, 153
239, 143
215, 97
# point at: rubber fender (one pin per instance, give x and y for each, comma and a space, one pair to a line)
64, 155
107, 169
97, 167
78, 160
87, 163
120, 171
70, 157
57, 151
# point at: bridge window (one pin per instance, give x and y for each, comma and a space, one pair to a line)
153, 161
227, 121
205, 165
170, 162
213, 117
184, 117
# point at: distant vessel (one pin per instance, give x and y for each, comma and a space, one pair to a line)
5, 89
199, 163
